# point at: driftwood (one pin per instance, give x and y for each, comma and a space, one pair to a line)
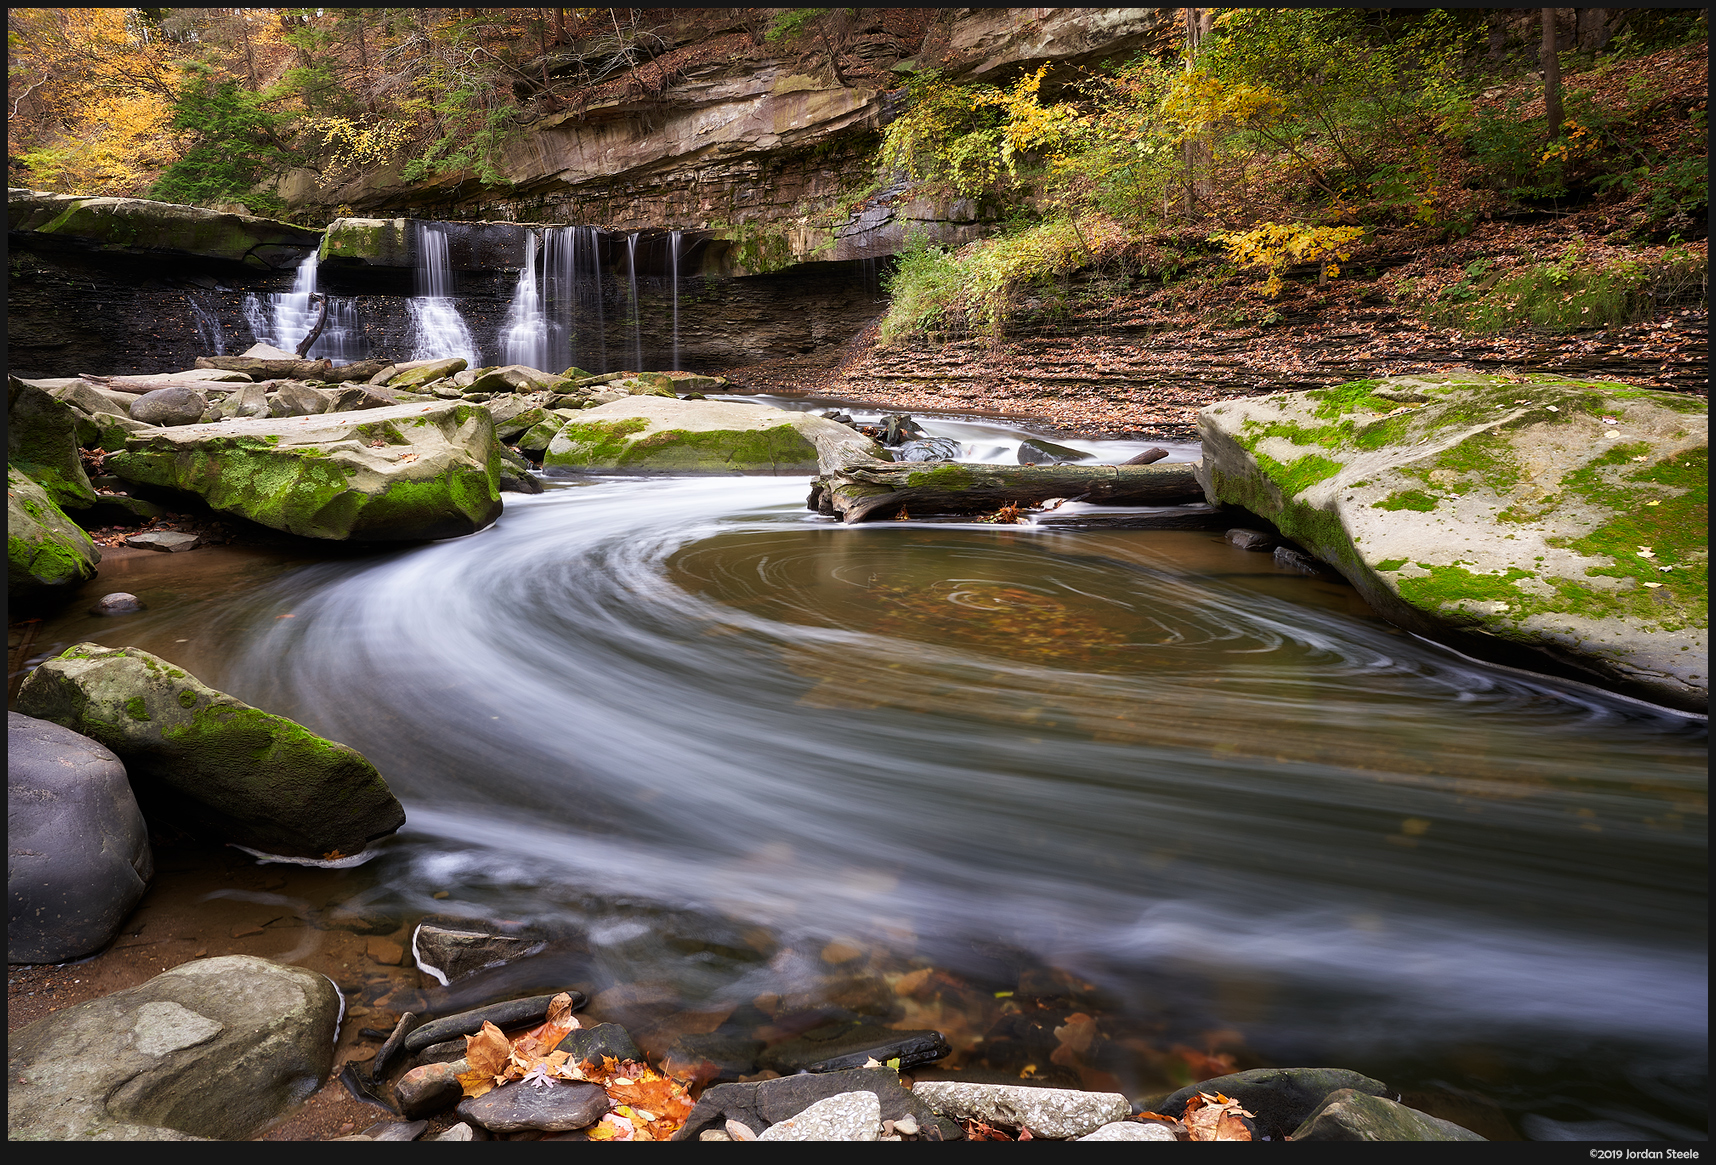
321, 301
858, 487
142, 384
290, 369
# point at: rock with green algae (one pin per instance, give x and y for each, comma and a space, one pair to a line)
142, 226
247, 776
400, 473
46, 552
1542, 522
651, 434
1351, 1115
414, 379
42, 439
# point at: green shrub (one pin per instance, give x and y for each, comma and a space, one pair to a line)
1570, 294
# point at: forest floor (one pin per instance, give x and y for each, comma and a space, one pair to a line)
1130, 358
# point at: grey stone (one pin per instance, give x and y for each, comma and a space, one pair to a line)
445, 1052
42, 444
1288, 558
510, 378
1349, 1115
78, 848
353, 397
417, 375
294, 398
168, 541
835, 1046
395, 1130
1038, 451
593, 1043
118, 603
650, 434
249, 401
428, 1089
170, 406
1251, 539
1148, 457
518, 1106
1497, 517
850, 1116
1130, 1131
461, 1132
251, 777
449, 953
1055, 1113
759, 1104
511, 1013
213, 1048
1279, 1099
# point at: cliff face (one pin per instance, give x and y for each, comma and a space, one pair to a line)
766, 147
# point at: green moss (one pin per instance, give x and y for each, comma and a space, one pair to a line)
1445, 586
1676, 529
944, 477
1407, 499
187, 699
598, 442
1300, 474
136, 708
1391, 564
1349, 398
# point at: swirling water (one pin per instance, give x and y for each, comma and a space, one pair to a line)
1229, 796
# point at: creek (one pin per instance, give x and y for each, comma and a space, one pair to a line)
1235, 807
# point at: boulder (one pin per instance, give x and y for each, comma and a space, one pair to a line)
91, 399
1546, 523
448, 953
591, 1044
42, 440
1279, 1099
518, 1106
169, 406
647, 434
78, 857
1131, 1131
251, 777
141, 226
510, 378
517, 422
402, 473
413, 379
249, 401
1055, 1113
1038, 451
215, 1048
294, 398
1349, 1115
45, 550
350, 398
759, 1104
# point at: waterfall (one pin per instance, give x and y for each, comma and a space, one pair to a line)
287, 318
632, 277
673, 263
209, 333
438, 331
525, 336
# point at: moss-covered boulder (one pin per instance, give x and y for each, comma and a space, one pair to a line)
648, 434
415, 378
42, 439
368, 242
1350, 1115
245, 775
141, 226
401, 473
1541, 522
45, 550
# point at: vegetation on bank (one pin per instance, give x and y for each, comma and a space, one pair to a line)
1282, 141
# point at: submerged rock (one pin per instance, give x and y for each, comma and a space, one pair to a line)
1279, 1099
1546, 523
253, 778
646, 434
1038, 451
78, 849
1350, 1115
400, 473
215, 1048
45, 550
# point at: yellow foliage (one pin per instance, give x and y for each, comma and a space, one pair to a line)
357, 141
1197, 103
1275, 246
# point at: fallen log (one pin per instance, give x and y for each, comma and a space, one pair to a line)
289, 369
309, 341
858, 488
142, 384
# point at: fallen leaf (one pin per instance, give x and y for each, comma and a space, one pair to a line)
1216, 1118
560, 1011
488, 1050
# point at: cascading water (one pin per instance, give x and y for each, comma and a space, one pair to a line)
438, 331
284, 320
209, 334
673, 273
632, 277
526, 335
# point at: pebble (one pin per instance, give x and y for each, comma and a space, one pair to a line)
118, 603
1130, 1131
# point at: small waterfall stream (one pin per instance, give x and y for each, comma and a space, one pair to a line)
283, 320
437, 329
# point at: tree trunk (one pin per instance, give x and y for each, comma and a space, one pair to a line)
1551, 75
1197, 152
363, 63
308, 341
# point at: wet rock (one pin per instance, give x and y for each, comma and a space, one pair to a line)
248, 776
850, 1116
46, 552
835, 1046
462, 1132
428, 1089
118, 603
448, 953
759, 1104
445, 1052
213, 1048
1148, 457
647, 434
1251, 540
1037, 451
169, 406
519, 1106
1350, 1115
78, 848
1279, 1099
1130, 1131
715, 1058
593, 1043
1288, 558
395, 1130
1055, 1113
510, 1014
167, 541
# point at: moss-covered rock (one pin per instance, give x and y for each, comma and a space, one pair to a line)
42, 439
648, 434
510, 378
414, 379
1350, 1115
142, 226
400, 473
248, 776
1521, 520
368, 242
45, 550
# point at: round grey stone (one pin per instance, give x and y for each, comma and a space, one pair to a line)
118, 603
169, 406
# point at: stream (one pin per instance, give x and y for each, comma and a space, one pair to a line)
1235, 807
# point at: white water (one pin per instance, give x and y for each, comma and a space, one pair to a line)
283, 320
525, 335
438, 331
